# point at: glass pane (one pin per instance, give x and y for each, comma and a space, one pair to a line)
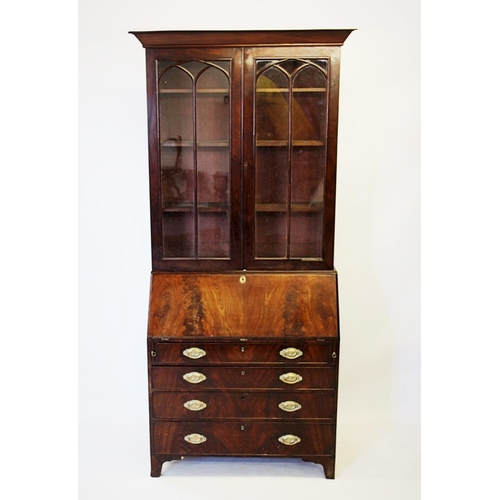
310, 77
214, 77
213, 234
308, 163
272, 106
270, 234
271, 197
194, 118
176, 173
290, 158
178, 230
212, 107
175, 104
213, 161
176, 155
309, 105
308, 172
173, 78
306, 233
309, 116
271, 174
213, 203
271, 165
306, 219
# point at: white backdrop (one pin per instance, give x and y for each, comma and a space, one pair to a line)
377, 253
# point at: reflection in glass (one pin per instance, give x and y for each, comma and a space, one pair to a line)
290, 132
194, 118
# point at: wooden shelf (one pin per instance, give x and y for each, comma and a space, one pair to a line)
283, 207
200, 144
218, 207
188, 207
190, 91
296, 143
226, 91
294, 90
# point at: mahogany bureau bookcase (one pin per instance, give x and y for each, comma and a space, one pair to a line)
243, 328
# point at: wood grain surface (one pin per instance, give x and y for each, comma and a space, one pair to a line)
240, 353
265, 305
158, 39
250, 405
224, 377
243, 438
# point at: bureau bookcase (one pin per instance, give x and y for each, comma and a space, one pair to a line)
243, 328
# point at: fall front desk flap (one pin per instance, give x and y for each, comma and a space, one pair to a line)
243, 305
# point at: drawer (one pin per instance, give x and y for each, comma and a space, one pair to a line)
205, 353
242, 377
283, 405
243, 438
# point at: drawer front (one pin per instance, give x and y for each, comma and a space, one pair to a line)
243, 438
201, 353
242, 377
283, 405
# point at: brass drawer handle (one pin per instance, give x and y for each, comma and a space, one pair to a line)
290, 406
194, 353
195, 438
194, 377
289, 439
195, 405
291, 353
290, 378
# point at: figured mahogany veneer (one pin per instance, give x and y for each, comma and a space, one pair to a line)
244, 404
243, 438
235, 378
238, 353
265, 305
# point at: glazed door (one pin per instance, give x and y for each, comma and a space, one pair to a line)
291, 97
195, 159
